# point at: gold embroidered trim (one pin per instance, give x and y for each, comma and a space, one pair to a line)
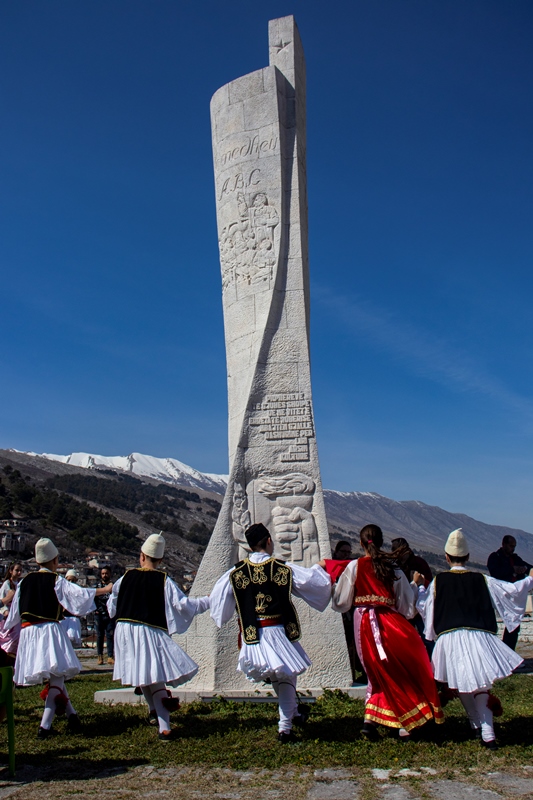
373, 598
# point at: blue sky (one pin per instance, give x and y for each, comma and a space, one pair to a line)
420, 172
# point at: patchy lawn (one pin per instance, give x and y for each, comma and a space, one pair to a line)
242, 736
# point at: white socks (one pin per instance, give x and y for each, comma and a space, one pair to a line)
288, 702
479, 714
163, 714
57, 685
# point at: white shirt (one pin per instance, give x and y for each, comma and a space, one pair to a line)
79, 600
508, 599
179, 609
343, 594
311, 584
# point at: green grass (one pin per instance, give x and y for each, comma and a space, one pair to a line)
243, 736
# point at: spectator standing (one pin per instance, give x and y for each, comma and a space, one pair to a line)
505, 565
104, 625
409, 563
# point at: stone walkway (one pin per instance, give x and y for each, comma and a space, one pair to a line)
182, 783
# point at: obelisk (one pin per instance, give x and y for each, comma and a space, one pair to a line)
259, 150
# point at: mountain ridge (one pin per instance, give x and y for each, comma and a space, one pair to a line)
424, 526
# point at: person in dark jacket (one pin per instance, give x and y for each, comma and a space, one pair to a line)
104, 625
505, 565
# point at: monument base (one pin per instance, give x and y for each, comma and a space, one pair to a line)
115, 697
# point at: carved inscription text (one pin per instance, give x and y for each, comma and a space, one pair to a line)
286, 417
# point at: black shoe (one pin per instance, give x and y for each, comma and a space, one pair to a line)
492, 745
74, 724
166, 736
370, 732
152, 718
302, 716
286, 738
45, 733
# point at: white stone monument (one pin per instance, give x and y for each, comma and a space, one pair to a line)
258, 128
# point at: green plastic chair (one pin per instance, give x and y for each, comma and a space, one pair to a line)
6, 699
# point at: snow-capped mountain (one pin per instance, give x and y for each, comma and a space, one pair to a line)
166, 470
425, 527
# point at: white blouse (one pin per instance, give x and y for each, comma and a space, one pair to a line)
343, 594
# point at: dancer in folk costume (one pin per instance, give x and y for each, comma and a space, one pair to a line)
458, 609
45, 652
149, 607
260, 588
401, 690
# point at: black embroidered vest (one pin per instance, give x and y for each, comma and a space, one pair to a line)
141, 598
263, 592
462, 600
37, 600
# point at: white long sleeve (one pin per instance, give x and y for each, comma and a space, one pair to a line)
312, 584
343, 592
79, 600
509, 599
343, 595
179, 609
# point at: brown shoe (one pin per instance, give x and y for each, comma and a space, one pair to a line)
100, 659
111, 661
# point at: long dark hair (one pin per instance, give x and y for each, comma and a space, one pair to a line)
384, 563
10, 569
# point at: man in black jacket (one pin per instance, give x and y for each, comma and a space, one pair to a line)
104, 625
505, 565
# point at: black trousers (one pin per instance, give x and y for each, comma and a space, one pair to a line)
511, 638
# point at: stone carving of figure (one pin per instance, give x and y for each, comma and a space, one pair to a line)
247, 247
241, 519
294, 528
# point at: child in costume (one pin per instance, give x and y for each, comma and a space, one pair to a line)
260, 588
71, 623
45, 652
458, 609
401, 691
149, 607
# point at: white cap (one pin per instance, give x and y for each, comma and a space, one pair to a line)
45, 551
456, 544
154, 546
71, 573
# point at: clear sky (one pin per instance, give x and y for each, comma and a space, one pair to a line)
420, 172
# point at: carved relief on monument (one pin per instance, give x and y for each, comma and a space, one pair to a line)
285, 418
248, 251
241, 518
292, 524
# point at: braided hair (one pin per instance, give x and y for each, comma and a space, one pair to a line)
384, 563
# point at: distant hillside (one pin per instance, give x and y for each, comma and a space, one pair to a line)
151, 493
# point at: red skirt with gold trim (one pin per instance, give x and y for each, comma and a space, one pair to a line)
401, 688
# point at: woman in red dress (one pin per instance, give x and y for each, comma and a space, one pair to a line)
401, 690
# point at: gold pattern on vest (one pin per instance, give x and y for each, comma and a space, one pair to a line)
292, 630
261, 602
281, 576
258, 575
250, 634
241, 581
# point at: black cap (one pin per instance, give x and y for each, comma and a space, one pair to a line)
256, 533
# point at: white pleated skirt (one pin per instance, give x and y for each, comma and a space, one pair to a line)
470, 660
145, 655
44, 650
72, 626
273, 657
